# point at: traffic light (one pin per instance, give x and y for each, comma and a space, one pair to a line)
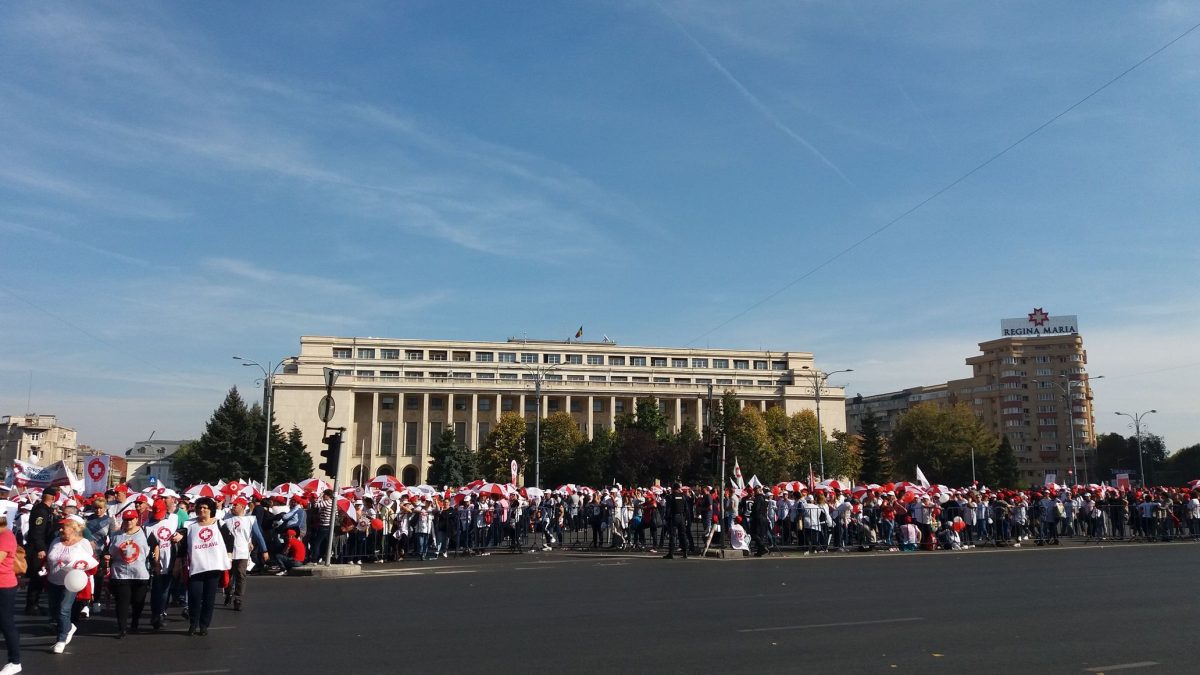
332, 454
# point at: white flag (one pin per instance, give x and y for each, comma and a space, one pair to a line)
754, 482
737, 475
921, 478
95, 474
26, 475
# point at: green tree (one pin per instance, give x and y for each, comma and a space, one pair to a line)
842, 457
226, 449
876, 463
453, 464
561, 439
505, 443
651, 418
290, 461
1113, 455
748, 444
1003, 470
940, 441
1182, 466
593, 459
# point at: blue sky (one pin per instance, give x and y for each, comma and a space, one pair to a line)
181, 182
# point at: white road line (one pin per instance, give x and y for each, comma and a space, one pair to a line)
1121, 666
456, 572
832, 625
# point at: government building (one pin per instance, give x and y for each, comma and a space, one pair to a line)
1030, 385
395, 397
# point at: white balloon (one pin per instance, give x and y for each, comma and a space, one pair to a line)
76, 580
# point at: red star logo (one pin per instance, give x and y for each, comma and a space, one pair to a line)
1038, 317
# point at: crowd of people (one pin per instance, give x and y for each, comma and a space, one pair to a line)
86, 554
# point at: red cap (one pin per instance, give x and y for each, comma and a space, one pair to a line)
122, 488
129, 515
240, 500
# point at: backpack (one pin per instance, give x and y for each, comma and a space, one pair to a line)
487, 517
20, 565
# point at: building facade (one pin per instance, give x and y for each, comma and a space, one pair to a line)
149, 463
1034, 389
396, 397
38, 439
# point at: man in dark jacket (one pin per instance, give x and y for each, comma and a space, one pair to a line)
678, 515
758, 519
42, 527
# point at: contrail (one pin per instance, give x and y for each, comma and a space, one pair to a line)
755, 101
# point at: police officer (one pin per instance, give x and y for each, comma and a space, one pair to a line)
678, 515
760, 527
37, 543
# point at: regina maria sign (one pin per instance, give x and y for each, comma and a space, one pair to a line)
1039, 323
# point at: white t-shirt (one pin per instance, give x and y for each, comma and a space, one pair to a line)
163, 530
206, 548
240, 527
62, 559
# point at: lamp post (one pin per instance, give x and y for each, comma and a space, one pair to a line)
1137, 429
1066, 390
539, 375
819, 380
268, 372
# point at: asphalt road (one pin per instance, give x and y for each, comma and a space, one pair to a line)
1127, 607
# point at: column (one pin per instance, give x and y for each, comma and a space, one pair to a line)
700, 413
567, 404
423, 439
473, 422
678, 424
612, 412
590, 421
741, 404
498, 410
762, 406
521, 406
545, 406
370, 450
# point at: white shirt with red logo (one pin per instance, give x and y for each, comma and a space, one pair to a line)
206, 548
240, 527
129, 553
62, 559
163, 530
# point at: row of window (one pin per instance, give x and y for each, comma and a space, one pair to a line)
411, 438
509, 404
369, 353
556, 377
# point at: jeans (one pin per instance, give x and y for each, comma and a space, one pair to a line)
316, 550
8, 623
130, 595
160, 589
237, 582
887, 532
423, 545
287, 562
61, 602
202, 595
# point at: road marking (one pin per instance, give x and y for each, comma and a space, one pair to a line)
456, 572
197, 672
832, 625
1121, 666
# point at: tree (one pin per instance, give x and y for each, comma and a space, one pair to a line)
290, 461
940, 441
876, 463
1182, 466
561, 439
226, 449
452, 463
593, 459
505, 443
651, 418
748, 441
1113, 456
842, 456
1003, 469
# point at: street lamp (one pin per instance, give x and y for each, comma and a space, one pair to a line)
1066, 390
819, 380
1137, 427
539, 375
268, 372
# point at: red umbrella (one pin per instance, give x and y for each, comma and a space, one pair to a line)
832, 484
386, 483
202, 490
314, 485
288, 490
494, 489
792, 486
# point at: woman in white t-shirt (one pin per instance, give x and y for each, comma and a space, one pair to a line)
69, 552
209, 551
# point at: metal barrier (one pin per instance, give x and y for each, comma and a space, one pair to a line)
992, 523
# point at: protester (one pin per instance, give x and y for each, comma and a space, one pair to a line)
293, 553
8, 598
248, 543
209, 549
69, 552
127, 559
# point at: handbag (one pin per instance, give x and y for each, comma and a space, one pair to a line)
225, 579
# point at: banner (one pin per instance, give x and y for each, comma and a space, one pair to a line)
95, 474
27, 475
1051, 478
513, 468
